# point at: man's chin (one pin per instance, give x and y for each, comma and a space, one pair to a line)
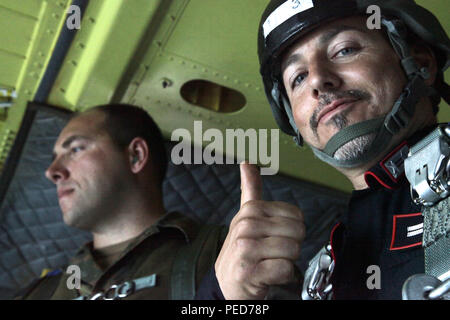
73, 219
68, 219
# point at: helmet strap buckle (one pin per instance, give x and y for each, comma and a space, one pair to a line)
404, 107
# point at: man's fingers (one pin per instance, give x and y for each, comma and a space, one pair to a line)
251, 183
257, 250
263, 242
262, 227
271, 209
273, 272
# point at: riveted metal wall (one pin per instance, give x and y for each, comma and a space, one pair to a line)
123, 52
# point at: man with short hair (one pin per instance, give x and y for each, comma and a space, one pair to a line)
108, 167
360, 98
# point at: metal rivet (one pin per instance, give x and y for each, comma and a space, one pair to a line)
166, 83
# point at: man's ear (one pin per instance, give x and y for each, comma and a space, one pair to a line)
425, 57
138, 154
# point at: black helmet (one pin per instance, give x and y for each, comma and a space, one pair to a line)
284, 22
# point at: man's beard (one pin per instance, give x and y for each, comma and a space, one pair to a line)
355, 148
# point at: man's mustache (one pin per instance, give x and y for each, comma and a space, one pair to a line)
327, 98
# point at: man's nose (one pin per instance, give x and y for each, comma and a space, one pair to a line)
322, 78
56, 171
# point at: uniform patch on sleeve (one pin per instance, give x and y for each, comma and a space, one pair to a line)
407, 231
49, 273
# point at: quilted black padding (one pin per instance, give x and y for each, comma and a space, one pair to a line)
211, 193
33, 235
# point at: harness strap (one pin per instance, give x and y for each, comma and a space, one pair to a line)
184, 266
46, 286
436, 239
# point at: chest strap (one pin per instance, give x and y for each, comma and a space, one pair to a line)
183, 279
436, 239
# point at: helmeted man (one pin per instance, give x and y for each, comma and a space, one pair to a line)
108, 167
362, 99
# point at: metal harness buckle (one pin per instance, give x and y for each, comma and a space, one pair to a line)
425, 287
316, 285
123, 290
428, 167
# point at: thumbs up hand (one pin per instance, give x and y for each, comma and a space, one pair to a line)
262, 244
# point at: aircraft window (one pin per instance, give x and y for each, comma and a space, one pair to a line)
212, 96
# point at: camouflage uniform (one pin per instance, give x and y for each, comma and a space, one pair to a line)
152, 252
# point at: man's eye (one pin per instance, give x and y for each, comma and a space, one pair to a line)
299, 79
345, 52
76, 149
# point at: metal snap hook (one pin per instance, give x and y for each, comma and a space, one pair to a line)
97, 296
111, 293
125, 289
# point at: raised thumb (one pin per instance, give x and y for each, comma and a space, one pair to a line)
251, 183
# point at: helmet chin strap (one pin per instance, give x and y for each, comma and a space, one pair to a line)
388, 126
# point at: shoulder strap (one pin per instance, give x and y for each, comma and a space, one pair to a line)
185, 263
436, 240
